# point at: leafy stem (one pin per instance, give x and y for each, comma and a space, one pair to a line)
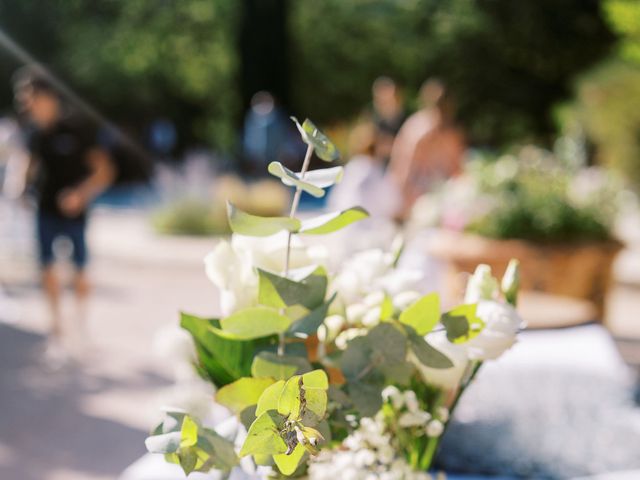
292, 214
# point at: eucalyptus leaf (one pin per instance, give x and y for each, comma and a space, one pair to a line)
288, 464
311, 135
423, 315
462, 323
426, 354
255, 322
269, 398
292, 179
252, 225
279, 292
163, 443
263, 436
332, 222
309, 324
280, 367
242, 393
366, 396
189, 432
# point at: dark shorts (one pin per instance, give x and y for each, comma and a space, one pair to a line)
51, 226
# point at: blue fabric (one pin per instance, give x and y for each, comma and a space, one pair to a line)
51, 226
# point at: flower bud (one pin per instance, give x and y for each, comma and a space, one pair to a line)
482, 285
511, 282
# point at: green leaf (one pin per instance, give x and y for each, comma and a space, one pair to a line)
223, 360
163, 443
242, 393
366, 396
287, 464
332, 222
462, 323
315, 380
270, 397
189, 432
255, 226
292, 179
225, 457
423, 314
309, 324
311, 135
426, 354
264, 437
197, 449
386, 309
255, 322
312, 387
268, 364
388, 343
278, 292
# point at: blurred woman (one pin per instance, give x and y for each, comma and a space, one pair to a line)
429, 147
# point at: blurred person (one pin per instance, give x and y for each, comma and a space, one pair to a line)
268, 135
429, 147
364, 182
71, 171
388, 114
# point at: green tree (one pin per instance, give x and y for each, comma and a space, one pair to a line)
506, 62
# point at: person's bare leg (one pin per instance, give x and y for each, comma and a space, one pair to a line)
52, 291
82, 289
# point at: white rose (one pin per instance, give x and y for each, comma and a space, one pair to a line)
445, 378
502, 324
231, 266
231, 271
482, 285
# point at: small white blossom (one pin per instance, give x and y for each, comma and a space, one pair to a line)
414, 419
443, 414
411, 401
434, 428
392, 393
349, 334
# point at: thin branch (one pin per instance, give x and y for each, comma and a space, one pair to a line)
292, 213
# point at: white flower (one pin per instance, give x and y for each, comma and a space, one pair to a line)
392, 393
349, 334
434, 428
231, 266
482, 285
411, 401
443, 414
502, 323
445, 378
372, 317
332, 326
404, 299
231, 271
414, 419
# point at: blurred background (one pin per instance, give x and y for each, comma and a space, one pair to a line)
481, 130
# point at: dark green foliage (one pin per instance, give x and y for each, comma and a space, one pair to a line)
506, 62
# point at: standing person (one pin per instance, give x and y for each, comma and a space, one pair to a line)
429, 147
71, 171
388, 114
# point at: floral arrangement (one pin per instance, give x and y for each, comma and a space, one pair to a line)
330, 372
533, 196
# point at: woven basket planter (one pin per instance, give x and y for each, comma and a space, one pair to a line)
581, 270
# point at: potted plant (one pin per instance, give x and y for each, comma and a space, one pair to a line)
557, 220
329, 371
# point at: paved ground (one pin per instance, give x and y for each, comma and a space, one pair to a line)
88, 421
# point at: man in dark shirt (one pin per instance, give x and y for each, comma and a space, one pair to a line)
71, 171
